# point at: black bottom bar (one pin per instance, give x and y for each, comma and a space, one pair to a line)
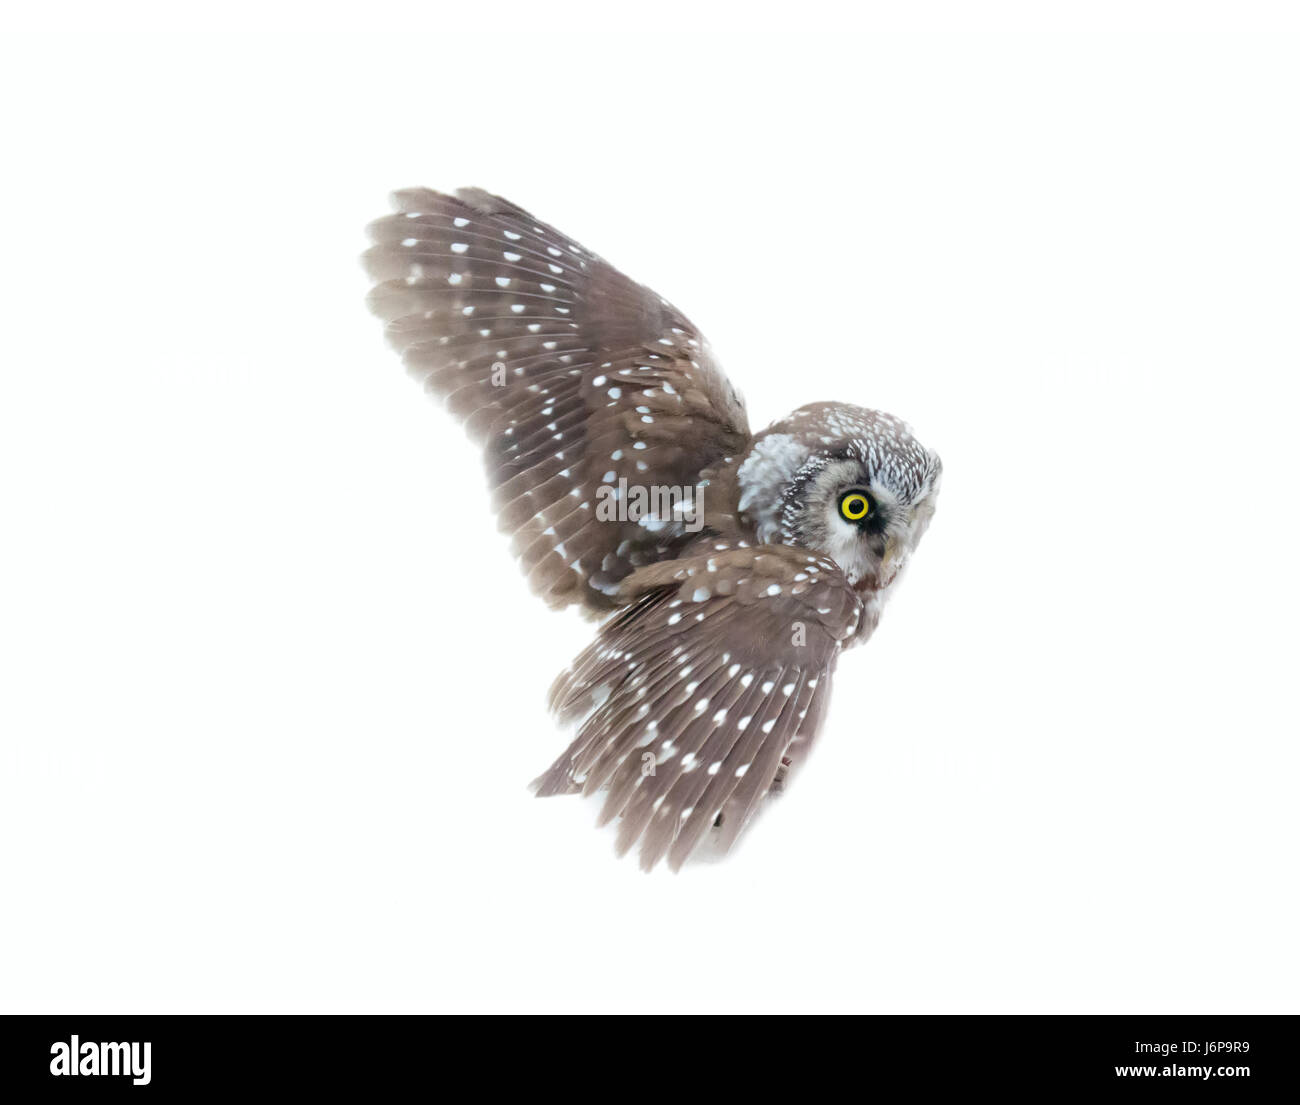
1221, 1055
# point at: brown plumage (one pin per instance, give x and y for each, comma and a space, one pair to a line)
580, 388
710, 675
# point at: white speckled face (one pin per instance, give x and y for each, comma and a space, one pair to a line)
845, 481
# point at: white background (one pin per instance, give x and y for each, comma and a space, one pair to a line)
272, 689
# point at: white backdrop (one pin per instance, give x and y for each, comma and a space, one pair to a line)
262, 749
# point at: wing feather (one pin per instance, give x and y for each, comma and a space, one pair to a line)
562, 368
698, 699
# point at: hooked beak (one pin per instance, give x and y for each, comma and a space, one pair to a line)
891, 563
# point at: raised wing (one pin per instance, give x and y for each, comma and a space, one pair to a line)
568, 373
704, 693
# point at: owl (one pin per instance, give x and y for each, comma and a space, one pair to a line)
728, 569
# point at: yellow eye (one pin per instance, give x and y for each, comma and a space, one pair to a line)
855, 506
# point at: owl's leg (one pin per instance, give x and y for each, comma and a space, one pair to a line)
778, 783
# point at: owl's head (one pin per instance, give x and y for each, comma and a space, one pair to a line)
848, 482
